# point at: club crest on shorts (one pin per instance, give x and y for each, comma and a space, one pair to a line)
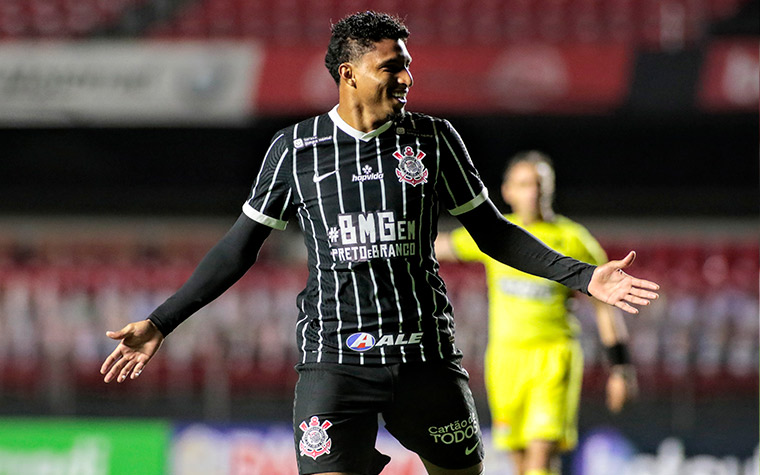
410, 168
315, 441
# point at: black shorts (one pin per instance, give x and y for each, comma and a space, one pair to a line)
428, 407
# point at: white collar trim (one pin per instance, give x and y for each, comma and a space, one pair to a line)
357, 134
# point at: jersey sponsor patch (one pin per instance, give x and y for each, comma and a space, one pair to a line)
377, 235
364, 341
360, 341
315, 441
410, 167
367, 174
415, 132
456, 432
300, 143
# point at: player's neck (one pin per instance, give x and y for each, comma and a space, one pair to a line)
361, 118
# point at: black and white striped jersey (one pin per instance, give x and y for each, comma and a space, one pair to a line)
368, 206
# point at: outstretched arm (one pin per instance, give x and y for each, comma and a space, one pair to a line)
515, 247
224, 264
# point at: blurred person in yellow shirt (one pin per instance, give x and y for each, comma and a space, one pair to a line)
534, 362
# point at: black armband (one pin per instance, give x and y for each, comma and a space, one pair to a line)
618, 354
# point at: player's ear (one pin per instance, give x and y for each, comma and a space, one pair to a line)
346, 73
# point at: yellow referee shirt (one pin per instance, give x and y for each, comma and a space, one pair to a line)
523, 308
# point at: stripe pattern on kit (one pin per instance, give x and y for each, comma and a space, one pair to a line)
368, 206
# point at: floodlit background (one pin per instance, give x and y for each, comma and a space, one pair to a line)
131, 131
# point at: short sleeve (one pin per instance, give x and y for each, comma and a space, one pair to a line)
269, 202
460, 186
464, 246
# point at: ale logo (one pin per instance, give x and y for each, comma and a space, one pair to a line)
360, 341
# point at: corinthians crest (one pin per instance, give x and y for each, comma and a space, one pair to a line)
315, 441
410, 168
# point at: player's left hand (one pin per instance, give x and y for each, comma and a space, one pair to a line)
613, 286
621, 387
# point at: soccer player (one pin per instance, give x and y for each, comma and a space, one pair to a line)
534, 363
366, 182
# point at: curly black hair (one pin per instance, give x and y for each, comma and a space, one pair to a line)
355, 34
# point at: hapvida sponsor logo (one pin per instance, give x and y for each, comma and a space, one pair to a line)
367, 175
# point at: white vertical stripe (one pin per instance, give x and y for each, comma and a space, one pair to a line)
351, 266
408, 265
403, 183
286, 204
430, 239
316, 246
305, 319
449, 316
459, 163
358, 309
388, 261
448, 188
335, 274
379, 310
263, 163
369, 264
274, 177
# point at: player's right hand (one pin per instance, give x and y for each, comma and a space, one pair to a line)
139, 342
613, 286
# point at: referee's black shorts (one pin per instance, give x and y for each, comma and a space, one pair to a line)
428, 407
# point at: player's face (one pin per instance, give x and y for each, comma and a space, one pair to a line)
522, 190
383, 78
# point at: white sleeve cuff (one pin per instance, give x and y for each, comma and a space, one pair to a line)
472, 204
262, 218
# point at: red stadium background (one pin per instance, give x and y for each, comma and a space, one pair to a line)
131, 131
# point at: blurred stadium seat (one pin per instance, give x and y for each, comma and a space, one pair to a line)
58, 296
669, 24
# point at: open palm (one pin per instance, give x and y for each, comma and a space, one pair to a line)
139, 342
612, 285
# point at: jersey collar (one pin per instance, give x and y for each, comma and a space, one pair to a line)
357, 134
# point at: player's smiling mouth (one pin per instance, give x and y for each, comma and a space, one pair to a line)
400, 95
